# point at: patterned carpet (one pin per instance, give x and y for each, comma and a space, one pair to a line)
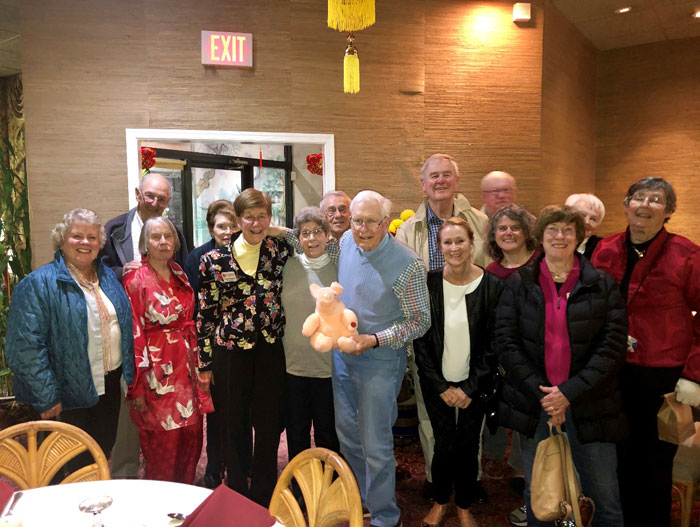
501, 499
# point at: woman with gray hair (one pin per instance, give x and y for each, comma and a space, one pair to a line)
593, 212
659, 276
167, 405
69, 334
308, 386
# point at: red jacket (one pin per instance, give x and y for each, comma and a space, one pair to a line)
664, 290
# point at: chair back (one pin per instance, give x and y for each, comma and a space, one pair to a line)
328, 487
35, 465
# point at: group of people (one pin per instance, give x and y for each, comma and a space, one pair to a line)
523, 320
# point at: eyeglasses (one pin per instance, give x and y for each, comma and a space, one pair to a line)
260, 218
332, 211
498, 191
371, 223
305, 235
564, 231
150, 197
654, 199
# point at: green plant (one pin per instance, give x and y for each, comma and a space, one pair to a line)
15, 251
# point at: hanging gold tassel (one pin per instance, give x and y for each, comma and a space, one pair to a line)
351, 67
350, 15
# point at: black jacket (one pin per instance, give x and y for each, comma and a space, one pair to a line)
597, 325
119, 249
481, 311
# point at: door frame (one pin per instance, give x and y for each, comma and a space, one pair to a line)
134, 135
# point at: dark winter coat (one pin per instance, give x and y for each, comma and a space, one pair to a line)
597, 326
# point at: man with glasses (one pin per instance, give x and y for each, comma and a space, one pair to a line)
385, 285
121, 254
498, 189
439, 180
336, 205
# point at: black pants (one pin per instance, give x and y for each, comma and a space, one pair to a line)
307, 400
100, 421
456, 455
645, 463
249, 390
215, 463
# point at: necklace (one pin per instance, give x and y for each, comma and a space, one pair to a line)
559, 276
640, 254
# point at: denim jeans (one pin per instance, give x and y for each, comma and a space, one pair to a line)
364, 394
596, 464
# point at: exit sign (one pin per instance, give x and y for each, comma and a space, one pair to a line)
227, 49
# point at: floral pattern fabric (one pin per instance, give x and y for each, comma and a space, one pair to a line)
235, 308
165, 349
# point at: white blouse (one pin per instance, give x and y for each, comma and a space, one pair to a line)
455, 356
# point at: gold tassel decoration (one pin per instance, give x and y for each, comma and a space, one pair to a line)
350, 15
351, 67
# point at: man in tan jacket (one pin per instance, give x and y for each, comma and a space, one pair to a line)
439, 179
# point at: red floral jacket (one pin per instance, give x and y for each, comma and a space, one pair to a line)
165, 349
663, 292
235, 309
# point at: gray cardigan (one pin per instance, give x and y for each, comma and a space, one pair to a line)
297, 302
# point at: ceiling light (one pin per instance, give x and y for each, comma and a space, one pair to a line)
623, 10
696, 14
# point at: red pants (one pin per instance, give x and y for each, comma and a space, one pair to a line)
172, 455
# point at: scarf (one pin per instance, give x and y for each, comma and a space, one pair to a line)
557, 351
314, 263
93, 288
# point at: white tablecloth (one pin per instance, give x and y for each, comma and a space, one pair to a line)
136, 503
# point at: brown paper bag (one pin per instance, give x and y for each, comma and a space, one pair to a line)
675, 420
694, 440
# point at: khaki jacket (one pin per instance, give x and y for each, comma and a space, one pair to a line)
414, 232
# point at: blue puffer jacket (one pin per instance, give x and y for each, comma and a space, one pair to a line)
47, 338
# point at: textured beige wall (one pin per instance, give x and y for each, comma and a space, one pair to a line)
649, 126
436, 75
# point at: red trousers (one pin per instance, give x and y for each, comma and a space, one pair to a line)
172, 455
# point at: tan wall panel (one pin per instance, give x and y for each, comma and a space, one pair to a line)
649, 126
483, 91
568, 111
84, 84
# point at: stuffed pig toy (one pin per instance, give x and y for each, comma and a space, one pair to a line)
331, 325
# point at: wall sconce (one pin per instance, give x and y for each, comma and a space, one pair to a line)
521, 12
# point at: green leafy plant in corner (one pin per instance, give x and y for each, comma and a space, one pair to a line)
15, 251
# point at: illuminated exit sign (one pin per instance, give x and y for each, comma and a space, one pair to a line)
227, 49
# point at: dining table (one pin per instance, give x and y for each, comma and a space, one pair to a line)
134, 503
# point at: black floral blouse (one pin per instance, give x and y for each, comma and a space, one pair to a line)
236, 309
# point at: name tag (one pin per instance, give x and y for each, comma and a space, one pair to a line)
229, 276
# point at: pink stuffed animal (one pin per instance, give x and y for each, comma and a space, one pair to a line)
331, 325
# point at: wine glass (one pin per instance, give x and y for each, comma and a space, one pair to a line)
95, 506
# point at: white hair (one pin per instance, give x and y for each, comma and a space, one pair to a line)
371, 195
58, 233
453, 162
590, 200
333, 193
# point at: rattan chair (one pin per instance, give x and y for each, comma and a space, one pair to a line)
36, 465
328, 500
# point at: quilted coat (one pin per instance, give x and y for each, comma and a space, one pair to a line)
597, 326
47, 338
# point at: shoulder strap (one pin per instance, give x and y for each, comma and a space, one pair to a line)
571, 484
